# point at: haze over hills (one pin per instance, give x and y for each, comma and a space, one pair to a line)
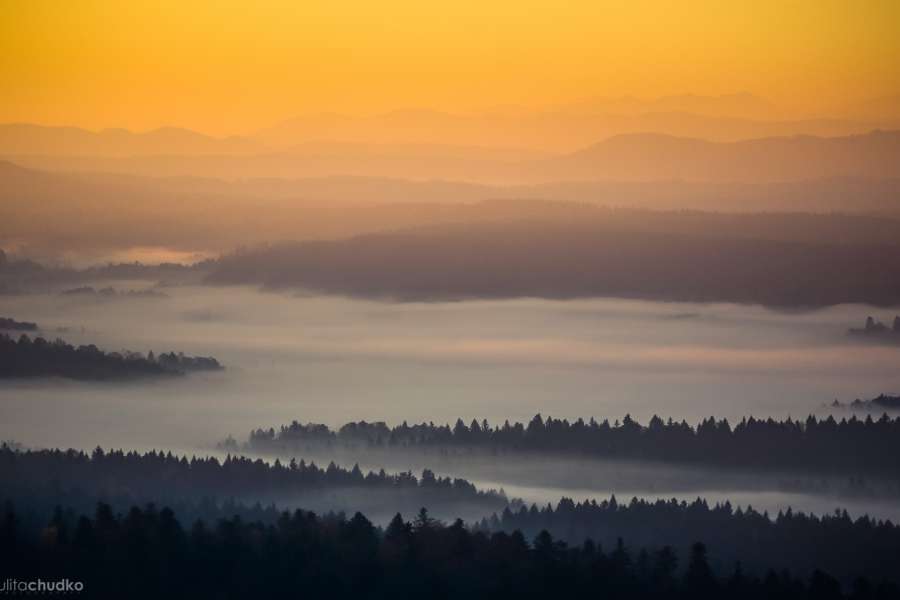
725, 138
660, 157
52, 213
632, 157
312, 159
28, 139
559, 128
740, 105
881, 107
595, 223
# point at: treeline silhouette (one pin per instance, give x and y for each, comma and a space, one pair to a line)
878, 331
27, 357
882, 402
148, 553
844, 547
111, 292
137, 478
847, 446
13, 325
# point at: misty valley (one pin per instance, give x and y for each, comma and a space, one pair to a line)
661, 424
471, 300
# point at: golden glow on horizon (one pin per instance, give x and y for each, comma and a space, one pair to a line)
231, 67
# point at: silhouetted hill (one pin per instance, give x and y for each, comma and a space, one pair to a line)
533, 258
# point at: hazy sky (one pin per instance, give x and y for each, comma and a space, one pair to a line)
233, 66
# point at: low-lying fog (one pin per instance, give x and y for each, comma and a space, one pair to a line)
334, 360
543, 480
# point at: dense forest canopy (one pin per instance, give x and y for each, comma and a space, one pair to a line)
817, 444
151, 475
209, 489
801, 542
147, 553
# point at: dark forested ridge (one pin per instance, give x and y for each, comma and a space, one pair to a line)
581, 260
834, 543
157, 476
148, 553
815, 444
38, 357
547, 250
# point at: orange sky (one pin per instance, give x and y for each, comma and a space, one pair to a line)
232, 66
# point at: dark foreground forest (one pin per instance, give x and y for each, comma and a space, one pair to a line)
148, 553
818, 445
837, 544
38, 357
210, 490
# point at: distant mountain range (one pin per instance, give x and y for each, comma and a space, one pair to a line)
632, 157
559, 129
562, 131
27, 139
555, 131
